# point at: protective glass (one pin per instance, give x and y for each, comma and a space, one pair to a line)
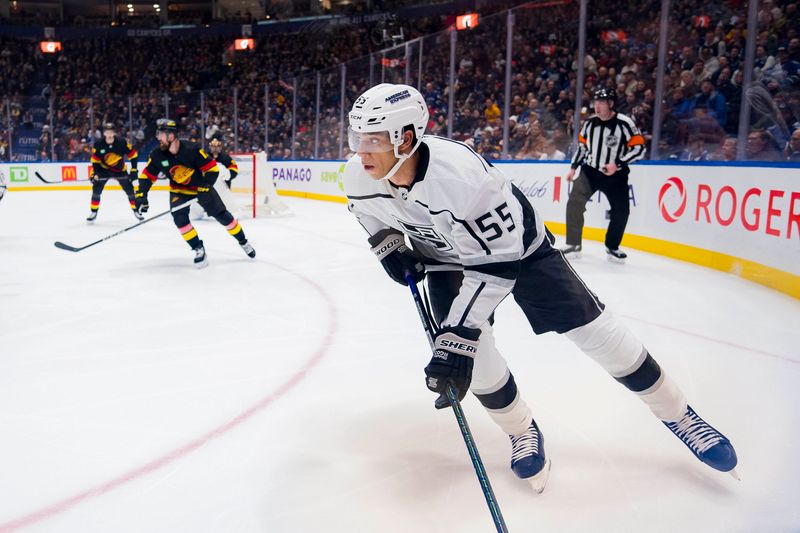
373, 142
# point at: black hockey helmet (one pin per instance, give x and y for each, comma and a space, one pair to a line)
109, 126
604, 93
167, 125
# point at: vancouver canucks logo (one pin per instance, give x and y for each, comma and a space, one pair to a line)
181, 174
111, 159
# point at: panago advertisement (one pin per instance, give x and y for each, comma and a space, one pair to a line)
741, 219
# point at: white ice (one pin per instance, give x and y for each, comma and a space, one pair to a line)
286, 394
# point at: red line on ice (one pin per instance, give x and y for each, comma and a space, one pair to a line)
172, 456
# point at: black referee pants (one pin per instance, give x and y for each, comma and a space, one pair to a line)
615, 187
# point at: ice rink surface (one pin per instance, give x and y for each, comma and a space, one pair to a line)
286, 394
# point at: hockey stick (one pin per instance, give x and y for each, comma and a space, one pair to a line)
121, 177
59, 244
469, 441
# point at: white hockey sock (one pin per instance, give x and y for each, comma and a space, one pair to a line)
513, 419
665, 399
614, 347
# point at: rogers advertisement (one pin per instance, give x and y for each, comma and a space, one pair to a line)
747, 212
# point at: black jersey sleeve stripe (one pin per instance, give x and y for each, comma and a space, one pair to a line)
503, 269
370, 196
528, 218
471, 303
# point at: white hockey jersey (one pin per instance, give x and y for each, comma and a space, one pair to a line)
460, 212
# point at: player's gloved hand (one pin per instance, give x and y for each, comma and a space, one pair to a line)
390, 248
454, 351
142, 204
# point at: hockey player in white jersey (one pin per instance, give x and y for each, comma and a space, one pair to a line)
477, 239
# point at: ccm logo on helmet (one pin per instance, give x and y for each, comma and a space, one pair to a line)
354, 116
402, 95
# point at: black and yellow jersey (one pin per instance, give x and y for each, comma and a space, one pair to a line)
109, 159
228, 162
187, 170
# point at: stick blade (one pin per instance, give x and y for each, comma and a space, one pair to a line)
59, 244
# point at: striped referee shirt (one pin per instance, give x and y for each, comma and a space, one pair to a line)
614, 140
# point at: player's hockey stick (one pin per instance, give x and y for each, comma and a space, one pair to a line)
120, 177
69, 248
483, 478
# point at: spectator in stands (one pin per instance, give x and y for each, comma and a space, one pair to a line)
491, 111
713, 101
695, 150
550, 152
534, 143
703, 125
792, 151
726, 150
763, 62
761, 147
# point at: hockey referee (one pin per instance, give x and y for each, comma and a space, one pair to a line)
607, 144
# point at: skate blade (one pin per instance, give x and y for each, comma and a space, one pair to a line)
573, 255
616, 260
201, 265
735, 474
539, 481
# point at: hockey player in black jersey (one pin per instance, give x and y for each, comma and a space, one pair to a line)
108, 162
608, 143
192, 173
435, 208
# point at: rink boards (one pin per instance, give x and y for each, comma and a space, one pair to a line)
739, 218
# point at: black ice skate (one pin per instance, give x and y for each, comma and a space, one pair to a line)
200, 260
527, 457
705, 442
92, 216
248, 249
138, 215
572, 251
616, 256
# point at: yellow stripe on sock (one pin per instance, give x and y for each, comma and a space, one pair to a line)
235, 230
189, 235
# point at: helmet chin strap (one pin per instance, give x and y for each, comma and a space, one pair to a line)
400, 159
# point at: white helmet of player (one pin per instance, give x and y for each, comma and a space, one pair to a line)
387, 109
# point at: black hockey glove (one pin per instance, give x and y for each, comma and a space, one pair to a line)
454, 351
390, 248
141, 202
